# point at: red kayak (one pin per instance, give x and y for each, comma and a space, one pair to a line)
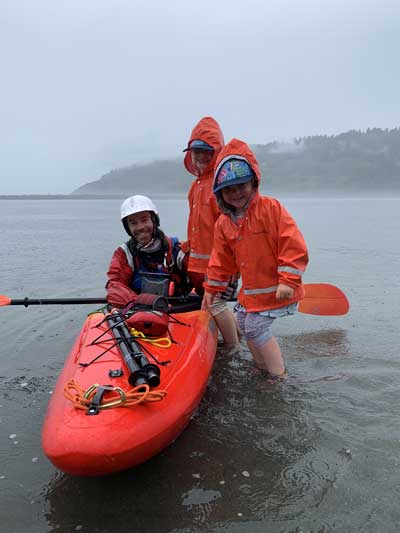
91, 440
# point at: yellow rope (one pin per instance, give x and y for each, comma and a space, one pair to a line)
117, 397
162, 342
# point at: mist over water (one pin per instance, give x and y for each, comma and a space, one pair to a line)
319, 453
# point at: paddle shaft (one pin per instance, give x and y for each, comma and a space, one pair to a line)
190, 298
179, 305
57, 301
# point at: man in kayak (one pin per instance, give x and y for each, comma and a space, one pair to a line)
257, 234
205, 143
148, 251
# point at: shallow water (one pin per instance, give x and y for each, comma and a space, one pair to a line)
317, 454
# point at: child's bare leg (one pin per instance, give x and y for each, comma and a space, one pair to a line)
268, 356
227, 325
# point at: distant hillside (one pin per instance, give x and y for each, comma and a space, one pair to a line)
156, 177
352, 162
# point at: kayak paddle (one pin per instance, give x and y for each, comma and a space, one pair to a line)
320, 299
323, 299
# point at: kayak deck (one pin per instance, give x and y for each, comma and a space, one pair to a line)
122, 437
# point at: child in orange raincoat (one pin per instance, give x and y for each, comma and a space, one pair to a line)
205, 143
256, 236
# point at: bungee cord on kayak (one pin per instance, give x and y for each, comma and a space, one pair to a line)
131, 334
93, 399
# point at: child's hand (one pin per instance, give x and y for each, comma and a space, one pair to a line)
208, 299
284, 292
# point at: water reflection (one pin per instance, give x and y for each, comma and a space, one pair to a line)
321, 343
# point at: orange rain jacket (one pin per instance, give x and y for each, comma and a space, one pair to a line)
266, 246
202, 204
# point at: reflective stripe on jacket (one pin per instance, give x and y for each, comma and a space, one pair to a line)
203, 209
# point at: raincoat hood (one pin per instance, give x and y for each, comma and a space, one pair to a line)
209, 131
235, 149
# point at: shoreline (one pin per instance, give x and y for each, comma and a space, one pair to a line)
275, 194
116, 196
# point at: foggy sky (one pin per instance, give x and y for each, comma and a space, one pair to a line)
88, 86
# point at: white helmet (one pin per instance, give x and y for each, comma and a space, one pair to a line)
136, 204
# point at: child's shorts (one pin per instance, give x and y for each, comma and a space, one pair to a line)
218, 306
220, 300
256, 327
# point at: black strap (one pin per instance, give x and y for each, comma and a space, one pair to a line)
94, 406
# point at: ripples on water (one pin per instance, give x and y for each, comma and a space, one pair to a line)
250, 453
318, 454
277, 440
254, 455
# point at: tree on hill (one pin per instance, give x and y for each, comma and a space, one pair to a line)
353, 162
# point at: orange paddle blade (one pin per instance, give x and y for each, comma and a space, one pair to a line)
323, 299
4, 300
